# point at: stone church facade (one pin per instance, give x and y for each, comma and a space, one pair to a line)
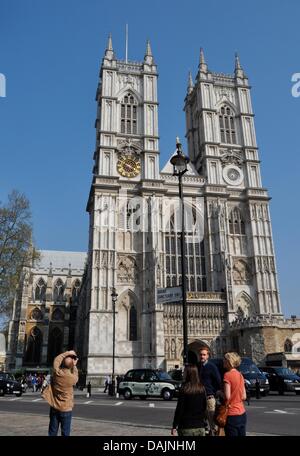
44, 315
231, 268
134, 230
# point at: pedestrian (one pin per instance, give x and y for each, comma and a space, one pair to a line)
59, 394
235, 394
34, 383
211, 379
248, 393
106, 383
257, 388
191, 409
89, 389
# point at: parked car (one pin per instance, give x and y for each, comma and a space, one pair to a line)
176, 374
148, 383
250, 372
8, 385
282, 379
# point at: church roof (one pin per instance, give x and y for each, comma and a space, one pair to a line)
168, 168
61, 260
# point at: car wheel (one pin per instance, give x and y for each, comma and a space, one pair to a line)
18, 394
127, 394
167, 394
1, 392
297, 392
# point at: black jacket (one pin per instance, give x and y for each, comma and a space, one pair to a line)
190, 411
210, 377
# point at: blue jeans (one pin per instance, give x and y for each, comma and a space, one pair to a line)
59, 418
236, 425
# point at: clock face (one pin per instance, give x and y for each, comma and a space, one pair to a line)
129, 166
233, 175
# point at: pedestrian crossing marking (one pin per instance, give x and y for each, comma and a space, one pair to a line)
119, 403
88, 402
151, 405
36, 400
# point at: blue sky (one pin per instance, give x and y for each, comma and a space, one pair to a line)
50, 53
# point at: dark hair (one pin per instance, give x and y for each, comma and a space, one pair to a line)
192, 383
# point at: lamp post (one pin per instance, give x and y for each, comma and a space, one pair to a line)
114, 297
179, 163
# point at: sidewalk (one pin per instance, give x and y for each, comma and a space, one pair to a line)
28, 424
33, 425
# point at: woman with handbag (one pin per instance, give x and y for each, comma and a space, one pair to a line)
190, 414
235, 394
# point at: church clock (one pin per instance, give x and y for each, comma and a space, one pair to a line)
129, 166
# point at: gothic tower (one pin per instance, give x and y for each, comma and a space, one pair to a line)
126, 165
222, 145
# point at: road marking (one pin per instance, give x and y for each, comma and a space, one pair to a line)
15, 399
281, 412
119, 403
151, 405
36, 400
88, 402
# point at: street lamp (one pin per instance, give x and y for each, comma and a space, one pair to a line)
114, 297
179, 163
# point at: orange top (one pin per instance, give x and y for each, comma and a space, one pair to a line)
236, 382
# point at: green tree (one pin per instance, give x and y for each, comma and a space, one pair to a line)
16, 248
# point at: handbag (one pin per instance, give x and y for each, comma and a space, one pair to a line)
221, 415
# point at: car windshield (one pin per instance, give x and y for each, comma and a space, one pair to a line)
249, 369
283, 371
163, 375
5, 376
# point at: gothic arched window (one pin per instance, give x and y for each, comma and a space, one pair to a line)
132, 323
129, 115
75, 290
57, 315
236, 222
36, 314
59, 291
40, 291
34, 346
227, 125
194, 253
54, 344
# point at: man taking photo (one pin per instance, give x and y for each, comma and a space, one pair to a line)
59, 394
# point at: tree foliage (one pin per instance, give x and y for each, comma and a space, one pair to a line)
16, 248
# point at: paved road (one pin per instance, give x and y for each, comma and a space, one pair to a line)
277, 415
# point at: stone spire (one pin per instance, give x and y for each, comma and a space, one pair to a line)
202, 64
109, 52
148, 56
238, 71
190, 84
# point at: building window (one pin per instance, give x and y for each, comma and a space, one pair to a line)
59, 291
40, 291
194, 253
34, 346
55, 343
132, 323
129, 115
236, 222
57, 315
36, 314
75, 291
227, 125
